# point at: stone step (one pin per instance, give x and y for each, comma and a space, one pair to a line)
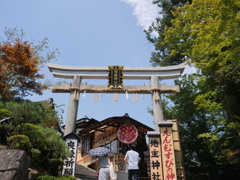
84, 173
82, 177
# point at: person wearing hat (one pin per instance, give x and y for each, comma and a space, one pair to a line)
132, 157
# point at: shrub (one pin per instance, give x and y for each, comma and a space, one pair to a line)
56, 178
4, 113
28, 131
54, 166
46, 178
19, 142
35, 153
66, 178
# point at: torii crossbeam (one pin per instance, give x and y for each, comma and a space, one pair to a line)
77, 73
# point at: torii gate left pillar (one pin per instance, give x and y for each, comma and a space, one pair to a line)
73, 106
77, 73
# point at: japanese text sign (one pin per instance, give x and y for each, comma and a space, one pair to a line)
155, 155
70, 162
115, 77
127, 133
168, 156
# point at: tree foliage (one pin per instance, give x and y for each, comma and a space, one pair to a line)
30, 130
210, 31
204, 33
33, 127
161, 55
205, 135
20, 63
19, 71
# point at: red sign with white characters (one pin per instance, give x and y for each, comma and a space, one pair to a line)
127, 133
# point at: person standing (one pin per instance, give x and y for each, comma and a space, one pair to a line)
132, 157
103, 164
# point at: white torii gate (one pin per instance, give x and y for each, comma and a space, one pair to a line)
77, 73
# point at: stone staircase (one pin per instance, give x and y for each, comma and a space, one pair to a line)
84, 173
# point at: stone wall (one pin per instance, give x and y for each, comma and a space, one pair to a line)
13, 164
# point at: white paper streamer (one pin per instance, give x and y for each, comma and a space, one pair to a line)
84, 94
126, 95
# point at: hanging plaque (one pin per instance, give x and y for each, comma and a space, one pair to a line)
115, 77
127, 133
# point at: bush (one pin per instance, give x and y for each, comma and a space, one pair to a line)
66, 178
56, 178
54, 166
28, 131
19, 142
4, 113
46, 178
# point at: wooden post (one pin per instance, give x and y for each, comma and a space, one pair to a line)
178, 151
168, 154
155, 155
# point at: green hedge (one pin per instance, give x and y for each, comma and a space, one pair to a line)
56, 178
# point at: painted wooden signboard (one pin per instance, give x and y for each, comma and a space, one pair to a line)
155, 156
104, 137
178, 151
127, 133
168, 156
115, 77
69, 163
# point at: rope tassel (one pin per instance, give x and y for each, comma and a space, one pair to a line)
156, 96
115, 97
76, 95
95, 97
135, 98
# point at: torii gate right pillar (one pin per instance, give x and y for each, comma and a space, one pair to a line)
156, 103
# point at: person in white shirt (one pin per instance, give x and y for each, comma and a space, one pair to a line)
132, 157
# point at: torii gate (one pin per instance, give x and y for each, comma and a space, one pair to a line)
77, 73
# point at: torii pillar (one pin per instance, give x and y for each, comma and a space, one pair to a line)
157, 104
77, 73
73, 106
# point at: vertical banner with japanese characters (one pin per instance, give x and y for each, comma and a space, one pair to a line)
115, 77
178, 151
155, 155
168, 156
70, 162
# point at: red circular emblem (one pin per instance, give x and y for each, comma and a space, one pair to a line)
127, 133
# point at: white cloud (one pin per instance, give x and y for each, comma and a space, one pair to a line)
145, 12
189, 70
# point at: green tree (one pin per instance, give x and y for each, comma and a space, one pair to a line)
32, 129
205, 33
161, 55
204, 135
211, 28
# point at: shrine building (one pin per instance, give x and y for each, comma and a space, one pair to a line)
116, 133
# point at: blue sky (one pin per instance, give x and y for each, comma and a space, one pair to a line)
90, 33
